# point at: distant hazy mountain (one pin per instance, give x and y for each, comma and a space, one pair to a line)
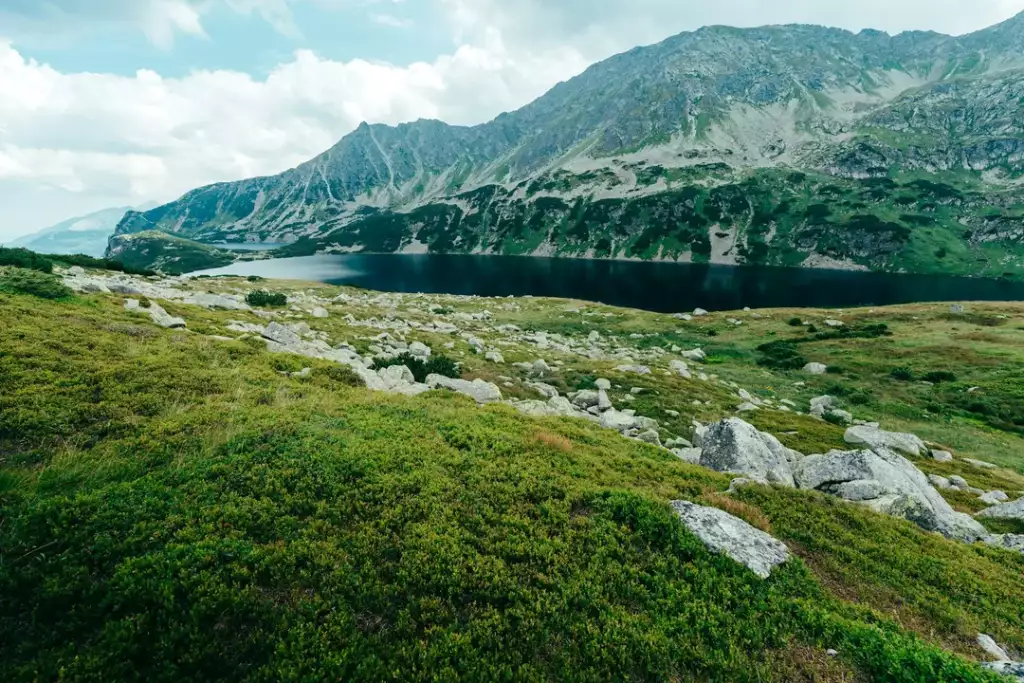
781, 145
82, 235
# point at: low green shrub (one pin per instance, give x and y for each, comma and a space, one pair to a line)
343, 375
263, 298
421, 369
902, 374
24, 258
939, 376
781, 355
33, 282
795, 322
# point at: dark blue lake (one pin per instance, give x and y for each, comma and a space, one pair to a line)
664, 287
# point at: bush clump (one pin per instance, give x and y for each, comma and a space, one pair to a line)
421, 369
263, 298
902, 374
33, 282
939, 376
781, 355
795, 322
24, 258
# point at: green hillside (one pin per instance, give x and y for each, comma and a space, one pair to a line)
185, 505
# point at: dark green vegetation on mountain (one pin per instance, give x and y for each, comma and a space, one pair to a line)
173, 508
167, 253
785, 145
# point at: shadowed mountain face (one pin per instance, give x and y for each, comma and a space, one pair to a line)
781, 145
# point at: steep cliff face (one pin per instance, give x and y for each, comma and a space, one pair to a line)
696, 118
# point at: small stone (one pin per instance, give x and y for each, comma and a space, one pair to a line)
942, 456
699, 312
980, 463
320, 312
816, 368
495, 357
603, 384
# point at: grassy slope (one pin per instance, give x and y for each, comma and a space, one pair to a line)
172, 508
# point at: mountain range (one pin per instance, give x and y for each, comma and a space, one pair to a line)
781, 145
86, 234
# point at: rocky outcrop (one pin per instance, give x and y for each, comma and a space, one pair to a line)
479, 390
737, 447
1014, 510
731, 536
876, 439
889, 483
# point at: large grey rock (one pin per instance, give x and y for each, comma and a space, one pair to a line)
889, 483
991, 648
958, 482
815, 368
731, 536
1013, 542
320, 312
650, 436
980, 464
735, 446
603, 402
1014, 510
1013, 670
994, 497
478, 389
618, 420
695, 355
281, 334
545, 390
207, 300
821, 404
942, 456
398, 379
419, 349
495, 357
585, 398
163, 318
876, 439
690, 455
680, 368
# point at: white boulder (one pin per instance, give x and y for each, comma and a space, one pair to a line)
730, 536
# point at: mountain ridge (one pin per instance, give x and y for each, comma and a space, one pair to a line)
793, 97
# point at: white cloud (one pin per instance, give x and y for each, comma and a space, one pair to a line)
126, 139
598, 28
390, 20
151, 137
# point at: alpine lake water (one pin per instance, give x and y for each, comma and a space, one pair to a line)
660, 287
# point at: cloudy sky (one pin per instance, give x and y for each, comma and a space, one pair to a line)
118, 102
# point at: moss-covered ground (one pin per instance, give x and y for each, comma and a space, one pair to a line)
174, 508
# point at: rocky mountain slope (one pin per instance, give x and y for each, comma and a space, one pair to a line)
81, 235
337, 484
783, 145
